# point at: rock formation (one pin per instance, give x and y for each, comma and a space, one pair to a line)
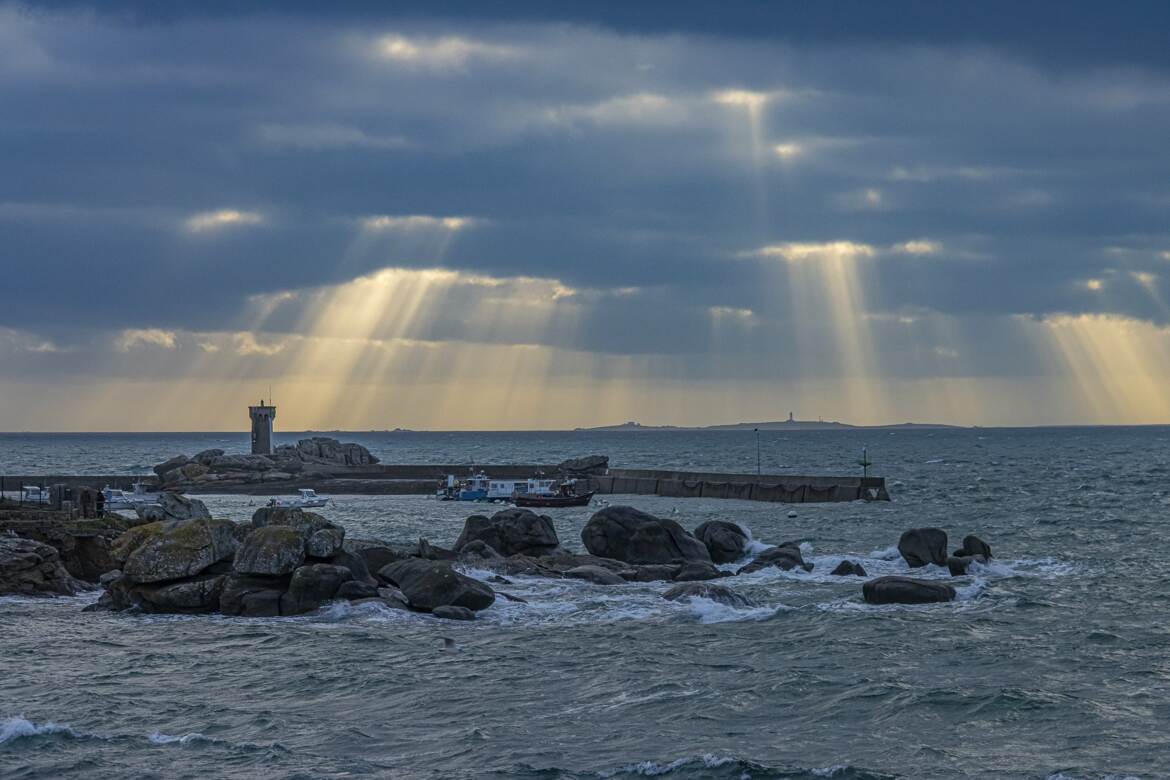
31, 568
726, 542
906, 590
318, 454
922, 546
848, 569
785, 556
717, 593
511, 532
632, 536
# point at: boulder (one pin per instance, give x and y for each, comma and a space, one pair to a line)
171, 464
629, 535
478, 549
848, 569
972, 546
293, 517
393, 597
906, 590
311, 586
356, 565
717, 593
354, 590
429, 584
176, 551
131, 540
433, 552
696, 571
324, 543
247, 463
173, 507
31, 568
785, 556
656, 572
253, 596
587, 466
196, 595
322, 449
376, 554
921, 546
513, 531
193, 471
595, 574
958, 564
271, 551
453, 613
84, 545
726, 542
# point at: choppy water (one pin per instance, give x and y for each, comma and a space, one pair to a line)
1054, 662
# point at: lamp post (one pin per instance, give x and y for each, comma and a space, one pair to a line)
865, 462
757, 452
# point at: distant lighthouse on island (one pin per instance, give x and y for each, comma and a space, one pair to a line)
262, 416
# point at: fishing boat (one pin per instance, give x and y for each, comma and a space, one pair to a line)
306, 498
552, 502
480, 487
34, 494
123, 500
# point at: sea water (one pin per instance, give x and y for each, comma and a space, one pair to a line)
1054, 662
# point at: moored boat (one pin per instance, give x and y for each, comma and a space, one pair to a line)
306, 498
122, 500
552, 502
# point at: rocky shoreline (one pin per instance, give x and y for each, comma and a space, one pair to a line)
178, 559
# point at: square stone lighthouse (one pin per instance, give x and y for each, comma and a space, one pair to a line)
262, 417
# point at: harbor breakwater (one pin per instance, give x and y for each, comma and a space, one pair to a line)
423, 479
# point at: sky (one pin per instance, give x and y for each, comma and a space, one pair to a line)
525, 215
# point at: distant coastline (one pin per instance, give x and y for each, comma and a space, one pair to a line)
774, 425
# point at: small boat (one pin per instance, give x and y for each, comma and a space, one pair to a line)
122, 500
552, 502
306, 498
34, 494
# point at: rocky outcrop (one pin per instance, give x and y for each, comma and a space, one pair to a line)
848, 569
696, 571
453, 613
785, 556
324, 450
922, 546
171, 464
716, 593
430, 584
173, 507
587, 466
959, 564
375, 554
83, 545
249, 596
311, 586
513, 531
726, 542
627, 534
32, 568
175, 551
906, 590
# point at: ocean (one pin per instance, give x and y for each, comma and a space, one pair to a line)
1053, 663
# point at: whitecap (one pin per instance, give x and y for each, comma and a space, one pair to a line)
710, 611
17, 727
158, 738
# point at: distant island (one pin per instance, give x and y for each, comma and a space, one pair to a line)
790, 424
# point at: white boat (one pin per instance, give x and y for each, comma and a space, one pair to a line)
306, 498
122, 500
34, 494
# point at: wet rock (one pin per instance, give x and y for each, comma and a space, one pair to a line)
271, 551
311, 586
172, 552
513, 531
193, 471
393, 597
433, 552
587, 466
354, 590
356, 565
293, 517
906, 590
958, 564
973, 546
922, 546
453, 613
205, 457
695, 572
246, 463
31, 568
325, 450
717, 593
478, 550
324, 543
595, 574
848, 569
131, 540
629, 535
510, 597
250, 596
83, 545
726, 542
173, 507
785, 556
656, 572
430, 584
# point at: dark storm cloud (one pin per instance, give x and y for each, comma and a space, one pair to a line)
1027, 148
